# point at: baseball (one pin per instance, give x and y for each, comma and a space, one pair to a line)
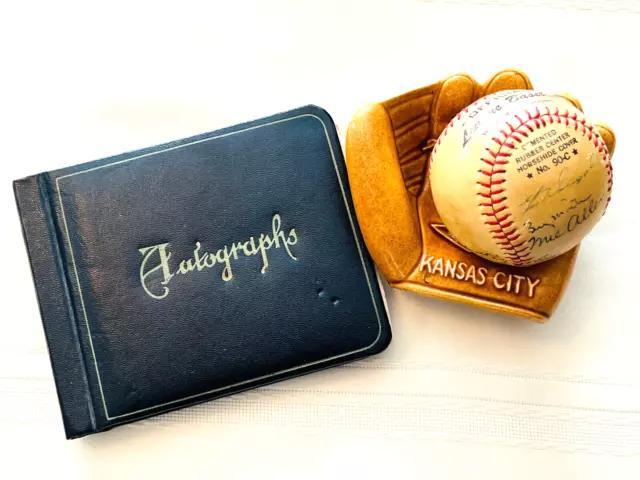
520, 177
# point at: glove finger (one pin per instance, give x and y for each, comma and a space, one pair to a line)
571, 99
605, 131
456, 93
607, 135
386, 212
511, 79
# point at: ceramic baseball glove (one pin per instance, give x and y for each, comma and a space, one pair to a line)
388, 149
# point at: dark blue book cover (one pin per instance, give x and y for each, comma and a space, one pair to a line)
192, 270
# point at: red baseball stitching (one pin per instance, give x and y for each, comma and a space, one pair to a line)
506, 235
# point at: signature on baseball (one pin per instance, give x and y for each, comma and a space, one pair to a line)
545, 193
548, 232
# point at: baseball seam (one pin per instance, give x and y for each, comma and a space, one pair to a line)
493, 197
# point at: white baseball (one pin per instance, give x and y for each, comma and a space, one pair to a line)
520, 177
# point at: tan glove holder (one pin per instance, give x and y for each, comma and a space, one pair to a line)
388, 149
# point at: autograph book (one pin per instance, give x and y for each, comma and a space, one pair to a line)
200, 268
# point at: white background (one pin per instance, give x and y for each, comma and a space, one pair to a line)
461, 393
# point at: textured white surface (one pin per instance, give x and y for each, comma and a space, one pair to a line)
461, 393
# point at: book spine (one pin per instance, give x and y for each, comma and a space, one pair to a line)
56, 305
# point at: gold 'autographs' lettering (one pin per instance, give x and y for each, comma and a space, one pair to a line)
156, 258
163, 264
